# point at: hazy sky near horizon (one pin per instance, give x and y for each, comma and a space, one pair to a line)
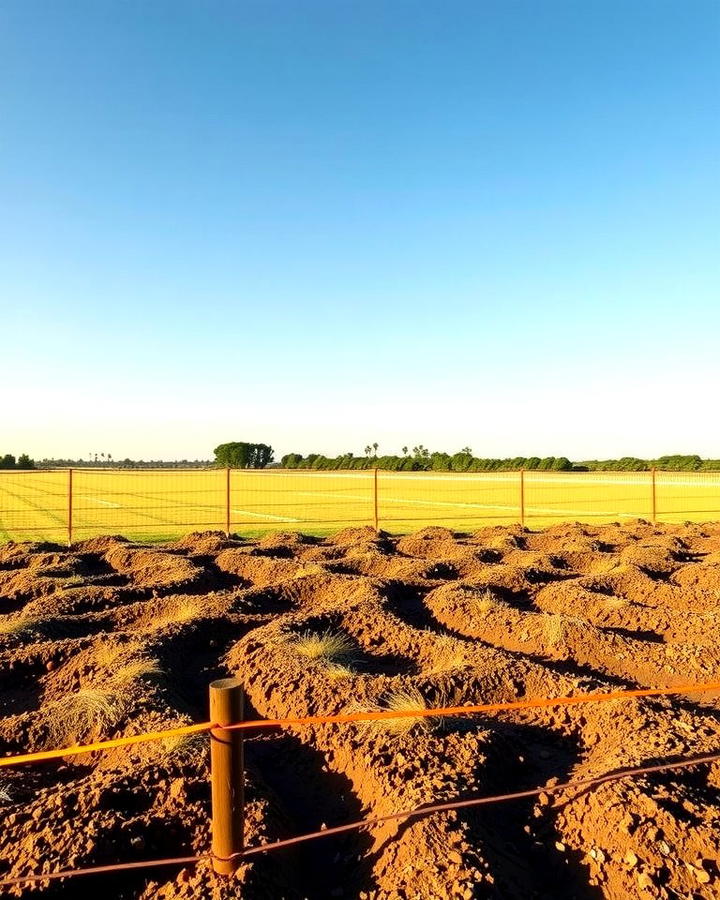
324, 224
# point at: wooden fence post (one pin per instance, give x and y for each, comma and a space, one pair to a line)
375, 499
227, 775
654, 495
70, 507
227, 501
522, 497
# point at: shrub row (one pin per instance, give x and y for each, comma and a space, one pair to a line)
442, 462
424, 461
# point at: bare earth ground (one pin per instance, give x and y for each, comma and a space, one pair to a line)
115, 638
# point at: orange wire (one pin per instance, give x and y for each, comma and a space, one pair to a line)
540, 702
376, 820
42, 755
481, 708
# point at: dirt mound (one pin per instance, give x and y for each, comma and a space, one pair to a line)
111, 638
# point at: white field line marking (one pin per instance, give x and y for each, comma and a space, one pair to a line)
247, 512
405, 501
537, 510
98, 500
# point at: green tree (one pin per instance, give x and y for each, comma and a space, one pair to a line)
24, 462
440, 462
461, 461
7, 461
243, 455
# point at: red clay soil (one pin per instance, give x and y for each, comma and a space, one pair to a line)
113, 638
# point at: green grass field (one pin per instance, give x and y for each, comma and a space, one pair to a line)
164, 503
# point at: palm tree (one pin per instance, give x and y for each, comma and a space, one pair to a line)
375, 447
367, 450
404, 451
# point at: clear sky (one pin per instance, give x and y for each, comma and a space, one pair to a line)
324, 224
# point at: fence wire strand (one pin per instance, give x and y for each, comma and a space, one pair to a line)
433, 809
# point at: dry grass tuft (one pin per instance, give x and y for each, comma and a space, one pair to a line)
450, 655
84, 715
487, 602
133, 671
185, 748
337, 671
106, 655
554, 629
327, 646
406, 700
5, 794
16, 624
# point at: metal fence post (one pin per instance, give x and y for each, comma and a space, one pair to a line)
375, 500
227, 775
70, 506
653, 488
227, 501
522, 497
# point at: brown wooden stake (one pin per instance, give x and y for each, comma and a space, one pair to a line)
70, 507
227, 501
522, 497
227, 775
375, 500
654, 495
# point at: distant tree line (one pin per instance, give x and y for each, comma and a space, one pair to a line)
243, 455
23, 461
127, 463
420, 459
675, 463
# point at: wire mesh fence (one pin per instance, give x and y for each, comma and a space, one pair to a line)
73, 504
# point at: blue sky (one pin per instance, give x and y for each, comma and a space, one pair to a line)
324, 224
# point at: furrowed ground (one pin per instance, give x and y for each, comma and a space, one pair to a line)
113, 637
